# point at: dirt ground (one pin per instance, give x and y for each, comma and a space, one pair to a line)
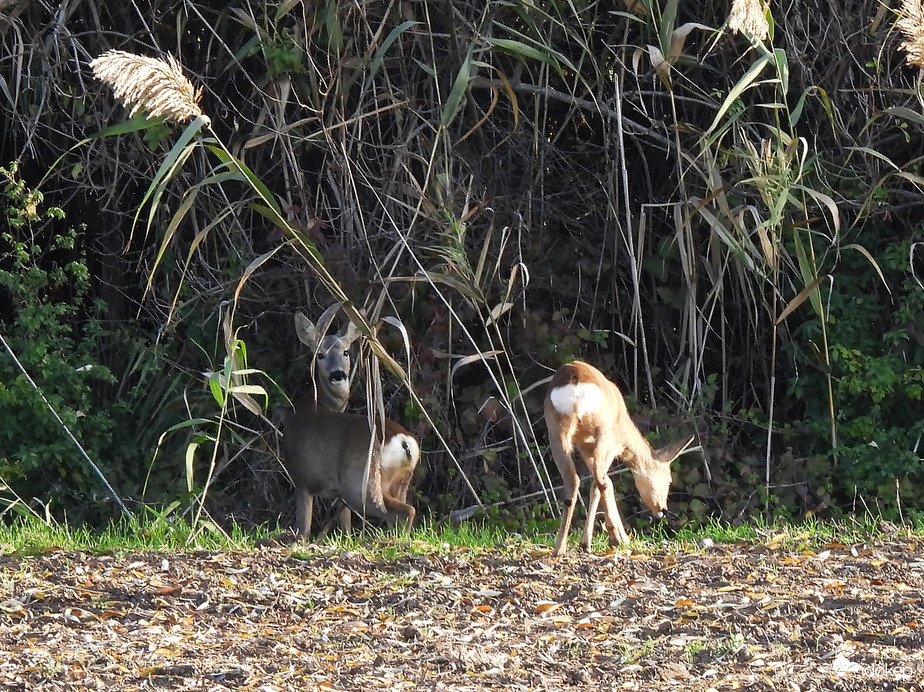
722, 617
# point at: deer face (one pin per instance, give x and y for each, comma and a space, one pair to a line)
654, 483
331, 360
653, 478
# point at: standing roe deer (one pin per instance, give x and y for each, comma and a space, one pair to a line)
585, 412
328, 452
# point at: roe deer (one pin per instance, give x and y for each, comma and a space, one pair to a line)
328, 452
585, 412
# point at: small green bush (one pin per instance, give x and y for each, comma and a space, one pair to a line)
877, 366
53, 328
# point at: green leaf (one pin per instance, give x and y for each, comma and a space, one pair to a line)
268, 198
168, 168
459, 86
782, 68
218, 393
666, 26
742, 85
906, 114
520, 49
386, 44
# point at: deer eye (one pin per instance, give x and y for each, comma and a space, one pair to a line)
346, 354
321, 356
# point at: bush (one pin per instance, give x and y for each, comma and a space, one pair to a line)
877, 367
52, 328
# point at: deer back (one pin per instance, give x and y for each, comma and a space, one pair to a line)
589, 410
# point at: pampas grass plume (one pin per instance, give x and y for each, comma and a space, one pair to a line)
911, 25
156, 87
749, 17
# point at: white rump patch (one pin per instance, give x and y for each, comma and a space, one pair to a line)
400, 451
576, 399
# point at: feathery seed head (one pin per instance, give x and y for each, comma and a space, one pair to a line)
749, 17
157, 87
911, 25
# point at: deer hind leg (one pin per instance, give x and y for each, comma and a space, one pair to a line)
400, 513
572, 483
592, 506
304, 506
596, 460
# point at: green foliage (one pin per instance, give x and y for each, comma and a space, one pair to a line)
151, 531
54, 330
533, 184
877, 367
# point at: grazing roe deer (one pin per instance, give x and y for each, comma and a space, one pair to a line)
331, 453
585, 412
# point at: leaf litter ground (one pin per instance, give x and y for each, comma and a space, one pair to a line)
729, 616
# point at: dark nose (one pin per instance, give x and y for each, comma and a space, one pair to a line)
337, 376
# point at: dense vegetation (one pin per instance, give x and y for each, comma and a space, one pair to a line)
730, 228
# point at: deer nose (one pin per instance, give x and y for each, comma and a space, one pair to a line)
337, 376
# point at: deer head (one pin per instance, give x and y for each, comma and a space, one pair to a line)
331, 358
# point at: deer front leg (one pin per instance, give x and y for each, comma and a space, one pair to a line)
592, 505
304, 506
614, 528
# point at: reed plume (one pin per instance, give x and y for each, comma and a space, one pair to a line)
156, 87
911, 25
749, 17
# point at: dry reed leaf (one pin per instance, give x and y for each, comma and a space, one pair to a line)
911, 25
157, 87
749, 17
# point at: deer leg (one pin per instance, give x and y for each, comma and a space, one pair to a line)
572, 484
304, 506
595, 460
345, 519
604, 486
592, 505
572, 487
397, 509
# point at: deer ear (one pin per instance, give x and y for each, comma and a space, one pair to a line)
306, 331
351, 334
667, 454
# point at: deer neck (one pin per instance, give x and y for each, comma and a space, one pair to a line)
637, 454
331, 398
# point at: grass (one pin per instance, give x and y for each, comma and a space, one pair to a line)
30, 535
